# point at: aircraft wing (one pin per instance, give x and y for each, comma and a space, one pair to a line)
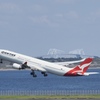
37, 67
69, 62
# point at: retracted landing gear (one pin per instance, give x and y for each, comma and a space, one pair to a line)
45, 74
33, 73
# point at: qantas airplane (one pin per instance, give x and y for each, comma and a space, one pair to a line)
20, 61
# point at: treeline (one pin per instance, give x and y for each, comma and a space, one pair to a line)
59, 59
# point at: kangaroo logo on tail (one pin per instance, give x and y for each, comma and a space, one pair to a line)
80, 69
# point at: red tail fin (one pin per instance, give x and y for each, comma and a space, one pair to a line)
80, 69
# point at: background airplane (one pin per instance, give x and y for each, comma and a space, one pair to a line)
20, 61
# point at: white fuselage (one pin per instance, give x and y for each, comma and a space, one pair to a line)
34, 63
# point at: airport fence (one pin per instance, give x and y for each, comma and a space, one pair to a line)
51, 92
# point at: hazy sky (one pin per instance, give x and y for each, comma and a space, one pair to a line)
32, 27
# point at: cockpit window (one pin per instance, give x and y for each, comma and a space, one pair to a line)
10, 54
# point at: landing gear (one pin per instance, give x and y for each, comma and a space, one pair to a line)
33, 73
44, 73
1, 61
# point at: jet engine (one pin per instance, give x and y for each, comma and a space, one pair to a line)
17, 66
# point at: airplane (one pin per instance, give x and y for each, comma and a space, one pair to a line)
20, 61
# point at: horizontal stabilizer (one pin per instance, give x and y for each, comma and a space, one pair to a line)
89, 73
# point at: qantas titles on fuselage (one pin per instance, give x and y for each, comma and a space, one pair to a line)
20, 61
7, 53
